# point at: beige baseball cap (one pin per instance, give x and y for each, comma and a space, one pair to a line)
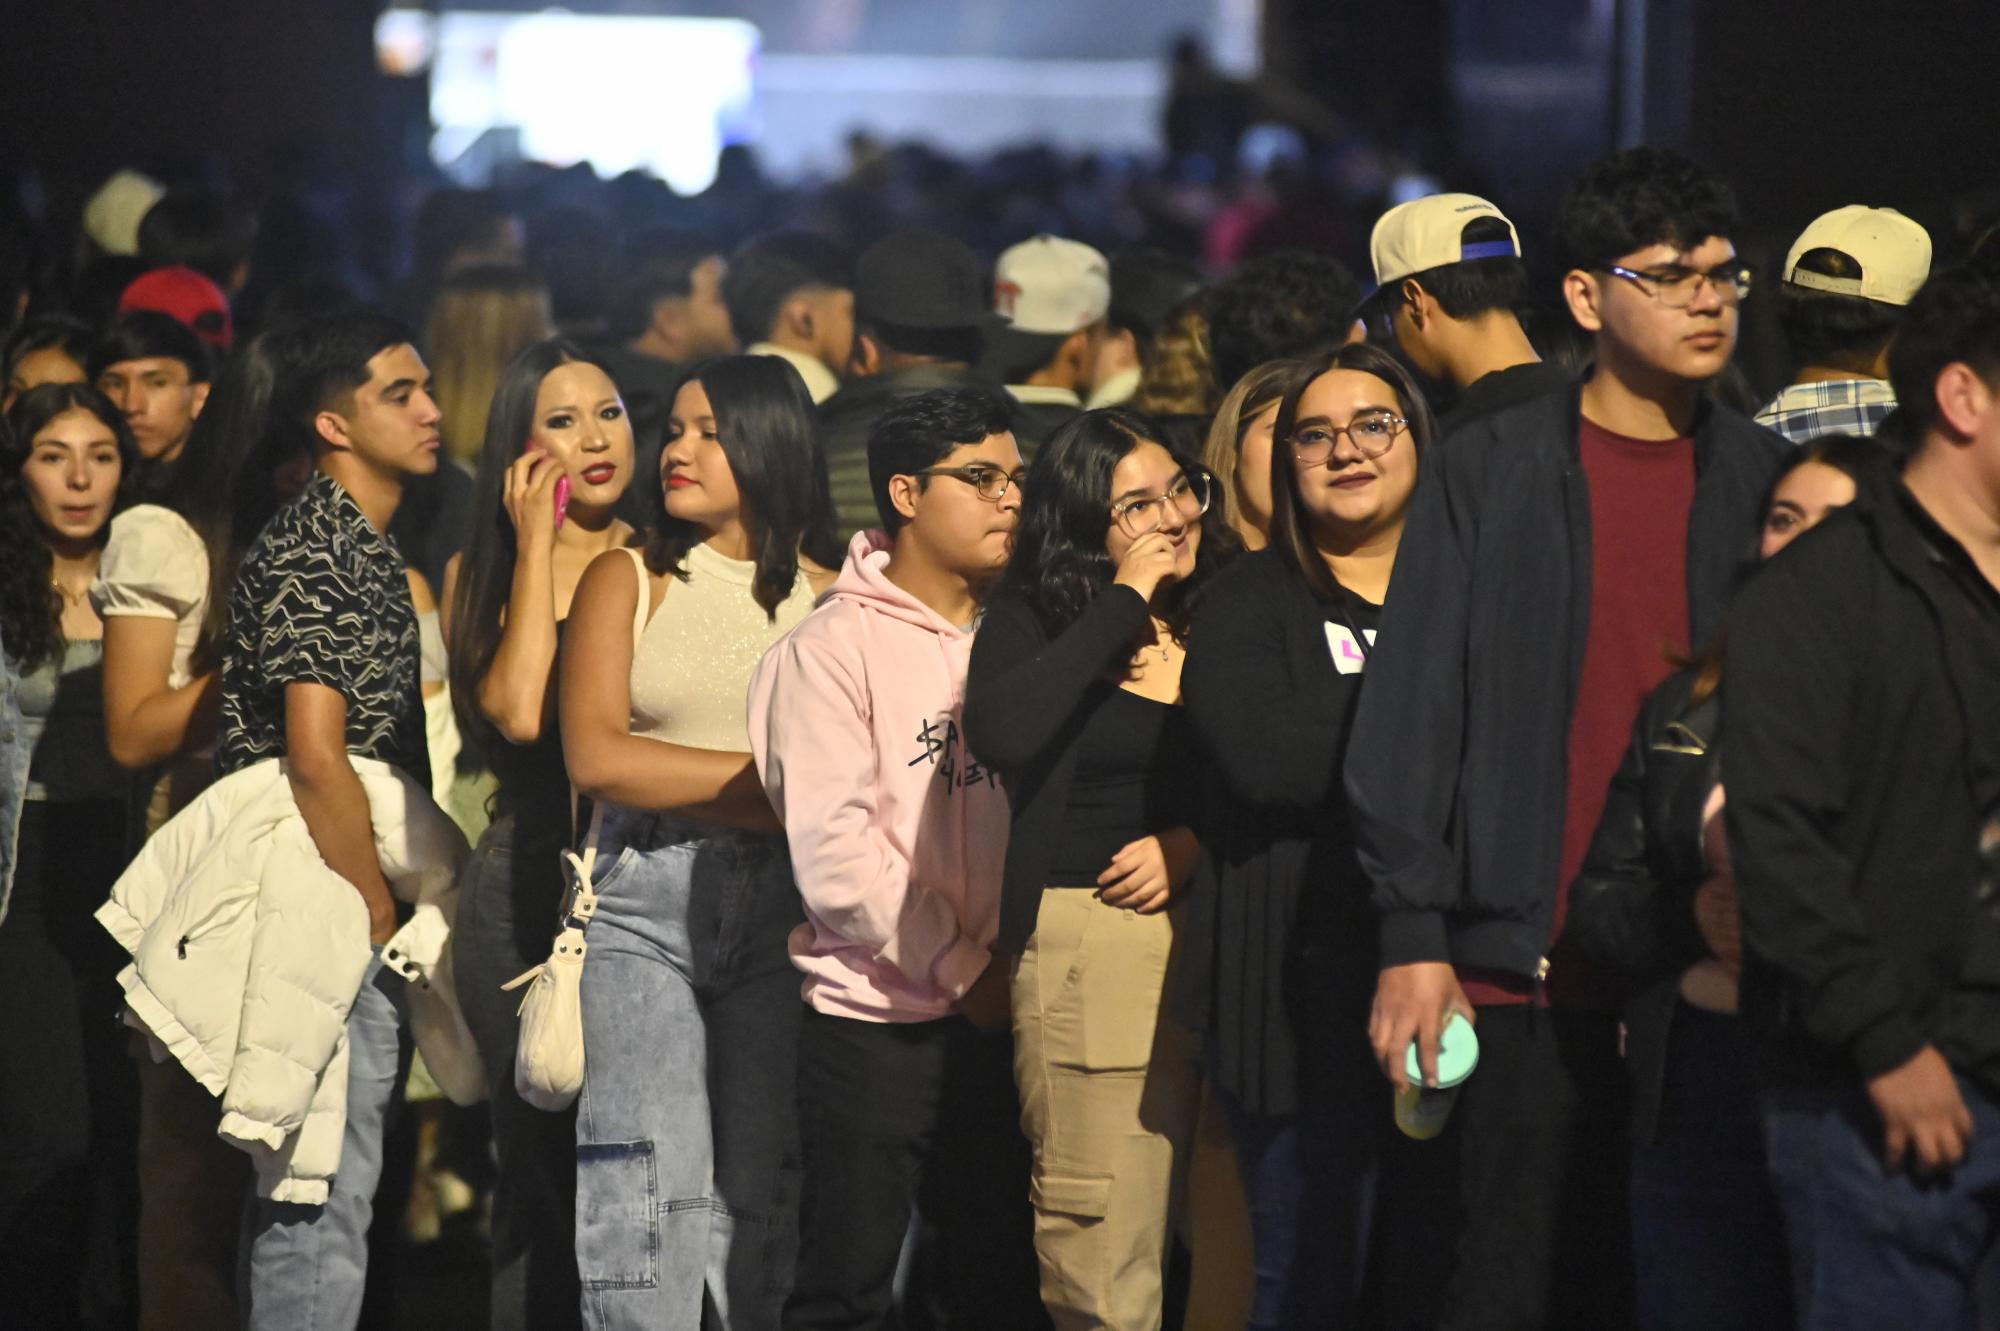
1051, 286
1428, 233
1894, 254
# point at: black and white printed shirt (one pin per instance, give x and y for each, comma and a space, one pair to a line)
322, 598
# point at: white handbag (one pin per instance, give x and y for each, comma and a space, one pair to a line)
548, 1054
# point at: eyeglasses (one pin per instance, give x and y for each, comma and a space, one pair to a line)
1676, 287
1371, 432
1189, 494
991, 482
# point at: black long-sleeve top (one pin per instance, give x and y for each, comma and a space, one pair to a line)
1027, 699
1279, 936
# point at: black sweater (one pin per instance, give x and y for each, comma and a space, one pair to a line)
1026, 701
1278, 940
1862, 715
1460, 753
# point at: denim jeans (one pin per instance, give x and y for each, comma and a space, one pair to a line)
303, 1268
1708, 1243
1872, 1248
508, 896
687, 1128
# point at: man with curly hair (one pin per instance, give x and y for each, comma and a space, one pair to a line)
1556, 551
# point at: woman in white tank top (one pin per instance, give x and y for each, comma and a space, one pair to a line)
687, 1163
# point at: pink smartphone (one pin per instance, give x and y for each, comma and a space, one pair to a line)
562, 488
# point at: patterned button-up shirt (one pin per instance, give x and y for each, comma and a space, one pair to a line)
1804, 412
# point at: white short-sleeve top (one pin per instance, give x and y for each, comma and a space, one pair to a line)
155, 567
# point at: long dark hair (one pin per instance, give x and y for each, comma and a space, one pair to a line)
30, 606
486, 567
1060, 563
1291, 525
764, 419
225, 487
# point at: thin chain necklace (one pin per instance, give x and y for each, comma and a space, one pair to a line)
1161, 645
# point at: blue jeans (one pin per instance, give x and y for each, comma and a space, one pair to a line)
1870, 1248
303, 1268
687, 1128
1708, 1244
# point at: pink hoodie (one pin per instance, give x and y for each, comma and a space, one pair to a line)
897, 834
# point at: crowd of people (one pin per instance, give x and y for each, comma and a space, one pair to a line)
1096, 791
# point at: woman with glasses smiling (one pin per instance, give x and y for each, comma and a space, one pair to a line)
1279, 958
1073, 696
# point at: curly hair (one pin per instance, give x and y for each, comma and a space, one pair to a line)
1286, 304
1178, 378
1641, 197
1060, 563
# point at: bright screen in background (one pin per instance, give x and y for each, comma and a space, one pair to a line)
656, 94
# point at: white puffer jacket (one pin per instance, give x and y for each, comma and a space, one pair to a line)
248, 951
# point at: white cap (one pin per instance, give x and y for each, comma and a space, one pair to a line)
1428, 233
112, 216
1050, 286
1894, 254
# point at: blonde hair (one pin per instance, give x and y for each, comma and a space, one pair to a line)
482, 317
1179, 379
1263, 387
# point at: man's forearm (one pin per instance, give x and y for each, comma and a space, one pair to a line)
335, 806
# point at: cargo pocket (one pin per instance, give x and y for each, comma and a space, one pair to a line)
1069, 1239
617, 1215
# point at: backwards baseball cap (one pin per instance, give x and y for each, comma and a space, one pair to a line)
1428, 233
920, 279
1051, 287
188, 296
1893, 253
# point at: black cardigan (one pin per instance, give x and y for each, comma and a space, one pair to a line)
1631, 907
1024, 708
1278, 939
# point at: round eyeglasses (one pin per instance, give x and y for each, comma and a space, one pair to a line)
1372, 433
1189, 495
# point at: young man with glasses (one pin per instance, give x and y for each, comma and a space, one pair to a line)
1556, 554
897, 835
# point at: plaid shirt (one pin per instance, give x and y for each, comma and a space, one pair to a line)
1837, 406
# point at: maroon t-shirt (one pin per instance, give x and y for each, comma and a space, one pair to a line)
1641, 491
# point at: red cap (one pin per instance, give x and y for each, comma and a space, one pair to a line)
188, 296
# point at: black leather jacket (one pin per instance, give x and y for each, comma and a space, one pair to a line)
1631, 907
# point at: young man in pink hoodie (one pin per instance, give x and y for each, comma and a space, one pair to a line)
906, 1091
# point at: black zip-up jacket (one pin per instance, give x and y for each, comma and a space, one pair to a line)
1860, 711
1460, 751
1631, 908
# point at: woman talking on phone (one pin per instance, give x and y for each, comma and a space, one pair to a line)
557, 458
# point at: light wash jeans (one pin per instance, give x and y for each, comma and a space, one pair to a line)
303, 1268
687, 1128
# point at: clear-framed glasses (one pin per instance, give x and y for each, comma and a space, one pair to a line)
991, 482
1372, 432
1189, 495
1676, 287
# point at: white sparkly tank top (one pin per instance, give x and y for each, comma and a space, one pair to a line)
691, 665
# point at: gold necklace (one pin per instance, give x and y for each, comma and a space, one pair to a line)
74, 598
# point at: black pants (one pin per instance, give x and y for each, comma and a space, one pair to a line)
892, 1114
1543, 1158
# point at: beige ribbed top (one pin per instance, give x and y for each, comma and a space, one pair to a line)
691, 666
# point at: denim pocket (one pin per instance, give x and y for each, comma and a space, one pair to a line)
617, 1215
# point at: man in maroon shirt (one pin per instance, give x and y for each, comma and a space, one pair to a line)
1557, 552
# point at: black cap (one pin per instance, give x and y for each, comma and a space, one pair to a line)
921, 279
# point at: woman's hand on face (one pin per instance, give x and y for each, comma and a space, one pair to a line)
530, 496
1147, 563
1145, 875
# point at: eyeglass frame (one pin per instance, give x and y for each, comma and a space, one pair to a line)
1732, 281
971, 471
1402, 428
1198, 478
